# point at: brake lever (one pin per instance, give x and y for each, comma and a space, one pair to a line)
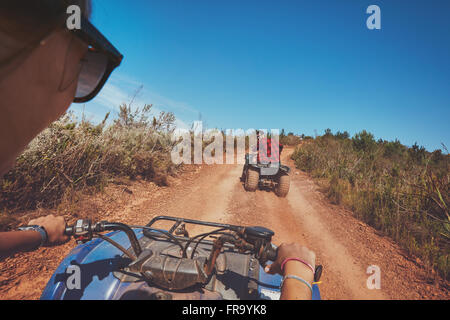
81, 231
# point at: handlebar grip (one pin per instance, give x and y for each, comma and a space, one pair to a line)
272, 252
68, 231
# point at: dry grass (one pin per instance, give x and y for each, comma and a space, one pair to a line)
401, 191
72, 156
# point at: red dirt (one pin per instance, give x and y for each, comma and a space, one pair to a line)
344, 245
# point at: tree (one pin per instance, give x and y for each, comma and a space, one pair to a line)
328, 132
342, 135
416, 153
364, 141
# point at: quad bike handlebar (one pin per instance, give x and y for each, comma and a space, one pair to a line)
190, 270
257, 239
83, 231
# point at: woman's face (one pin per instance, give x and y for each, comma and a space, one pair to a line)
37, 92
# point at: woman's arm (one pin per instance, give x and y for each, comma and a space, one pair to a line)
18, 241
15, 241
294, 289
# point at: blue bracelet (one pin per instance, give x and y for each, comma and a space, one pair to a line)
40, 229
296, 278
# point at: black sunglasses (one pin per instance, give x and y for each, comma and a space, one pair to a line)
98, 63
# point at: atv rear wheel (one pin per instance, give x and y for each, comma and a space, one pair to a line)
282, 188
251, 180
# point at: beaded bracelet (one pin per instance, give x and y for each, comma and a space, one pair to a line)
296, 278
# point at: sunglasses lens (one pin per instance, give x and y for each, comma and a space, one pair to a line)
93, 69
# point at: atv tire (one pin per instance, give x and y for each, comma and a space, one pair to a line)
251, 180
282, 188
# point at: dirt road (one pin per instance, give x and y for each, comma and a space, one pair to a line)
345, 246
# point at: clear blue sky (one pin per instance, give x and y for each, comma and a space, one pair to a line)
298, 65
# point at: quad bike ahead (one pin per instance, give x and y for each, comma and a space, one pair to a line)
143, 262
272, 174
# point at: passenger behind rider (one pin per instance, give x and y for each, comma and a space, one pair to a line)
267, 150
40, 63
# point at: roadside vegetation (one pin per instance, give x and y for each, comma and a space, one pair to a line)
290, 139
73, 156
401, 191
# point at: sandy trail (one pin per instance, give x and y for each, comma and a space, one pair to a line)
344, 245
206, 200
296, 219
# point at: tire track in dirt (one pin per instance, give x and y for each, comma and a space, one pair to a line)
343, 245
207, 199
202, 194
293, 220
344, 277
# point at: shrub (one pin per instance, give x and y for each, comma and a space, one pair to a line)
78, 155
401, 191
364, 141
290, 139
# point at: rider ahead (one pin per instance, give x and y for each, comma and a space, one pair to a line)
269, 151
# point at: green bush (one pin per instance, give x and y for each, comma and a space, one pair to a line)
401, 191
